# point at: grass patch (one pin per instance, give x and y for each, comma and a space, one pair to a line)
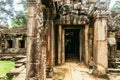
5, 67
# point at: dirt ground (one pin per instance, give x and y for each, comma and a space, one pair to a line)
78, 71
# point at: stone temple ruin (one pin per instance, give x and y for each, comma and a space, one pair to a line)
64, 30
13, 40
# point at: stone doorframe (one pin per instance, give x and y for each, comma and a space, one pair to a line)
83, 43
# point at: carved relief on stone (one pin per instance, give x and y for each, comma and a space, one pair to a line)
101, 13
74, 19
36, 53
73, 13
102, 4
114, 23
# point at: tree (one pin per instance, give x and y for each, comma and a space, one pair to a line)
6, 11
20, 20
24, 3
116, 6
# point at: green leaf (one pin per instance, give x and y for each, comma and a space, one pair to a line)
20, 20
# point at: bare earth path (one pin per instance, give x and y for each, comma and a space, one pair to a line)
73, 71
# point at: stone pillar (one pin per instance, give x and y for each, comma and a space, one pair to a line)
100, 41
52, 43
63, 46
48, 56
36, 55
0, 42
6, 44
80, 43
40, 41
59, 44
13, 42
16, 43
86, 44
50, 48
25, 43
32, 63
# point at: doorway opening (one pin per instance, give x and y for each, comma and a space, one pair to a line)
72, 44
10, 43
22, 43
118, 43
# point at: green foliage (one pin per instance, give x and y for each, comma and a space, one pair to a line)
20, 20
24, 3
6, 11
5, 66
7, 78
116, 7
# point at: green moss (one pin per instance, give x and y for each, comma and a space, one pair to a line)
5, 67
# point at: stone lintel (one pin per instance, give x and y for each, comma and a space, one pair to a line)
32, 1
100, 14
75, 20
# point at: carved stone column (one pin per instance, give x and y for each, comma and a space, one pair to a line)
36, 49
50, 48
0, 42
63, 46
16, 45
52, 42
82, 44
100, 41
60, 45
86, 44
50, 55
31, 54
40, 41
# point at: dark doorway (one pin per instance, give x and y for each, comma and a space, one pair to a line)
72, 44
22, 43
10, 43
118, 43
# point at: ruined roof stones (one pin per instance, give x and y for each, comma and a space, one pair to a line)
3, 30
6, 30
101, 13
114, 23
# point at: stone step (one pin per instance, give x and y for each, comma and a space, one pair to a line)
17, 65
6, 57
15, 71
20, 56
117, 62
49, 71
113, 70
21, 76
23, 60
